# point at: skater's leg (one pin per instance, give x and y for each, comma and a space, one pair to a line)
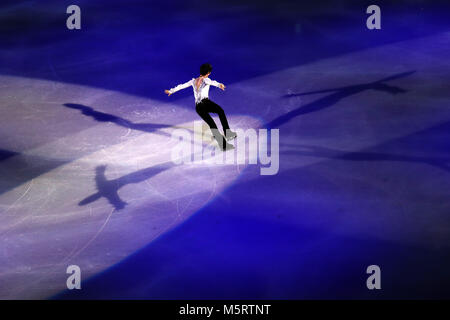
203, 112
214, 107
223, 120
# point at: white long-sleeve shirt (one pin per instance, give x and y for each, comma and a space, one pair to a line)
202, 91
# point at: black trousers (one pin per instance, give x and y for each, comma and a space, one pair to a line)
204, 108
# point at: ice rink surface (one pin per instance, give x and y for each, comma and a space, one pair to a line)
88, 177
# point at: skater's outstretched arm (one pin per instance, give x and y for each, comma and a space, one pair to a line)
214, 83
179, 87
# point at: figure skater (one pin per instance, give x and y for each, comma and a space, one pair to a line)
204, 106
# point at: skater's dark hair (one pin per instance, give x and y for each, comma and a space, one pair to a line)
205, 69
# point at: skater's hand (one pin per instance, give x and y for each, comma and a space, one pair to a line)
222, 86
167, 92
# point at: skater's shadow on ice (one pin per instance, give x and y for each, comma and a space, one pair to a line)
146, 127
106, 117
109, 188
5, 154
336, 95
322, 152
